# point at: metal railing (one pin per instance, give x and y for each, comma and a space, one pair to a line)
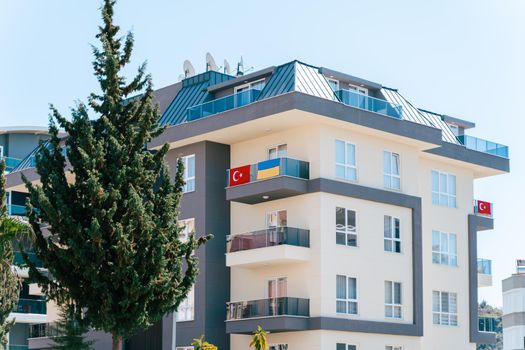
369, 103
284, 306
284, 167
268, 238
31, 306
484, 146
17, 347
222, 104
43, 330
485, 266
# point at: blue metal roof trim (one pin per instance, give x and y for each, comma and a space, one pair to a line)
194, 92
29, 161
309, 81
281, 81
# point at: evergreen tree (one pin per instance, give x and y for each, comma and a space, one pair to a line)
112, 244
71, 330
10, 283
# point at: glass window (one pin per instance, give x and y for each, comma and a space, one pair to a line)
391, 177
189, 173
392, 234
278, 151
277, 287
345, 160
444, 308
391, 347
334, 84
393, 302
346, 295
188, 227
278, 347
345, 227
186, 309
443, 189
444, 248
276, 219
342, 346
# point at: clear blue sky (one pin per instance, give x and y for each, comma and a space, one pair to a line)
462, 58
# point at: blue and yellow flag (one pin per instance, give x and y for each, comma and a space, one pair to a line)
268, 168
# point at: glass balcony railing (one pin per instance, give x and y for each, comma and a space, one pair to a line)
43, 330
10, 163
268, 169
485, 266
489, 324
284, 306
31, 306
368, 103
483, 208
17, 347
268, 238
484, 146
223, 104
16, 210
19, 259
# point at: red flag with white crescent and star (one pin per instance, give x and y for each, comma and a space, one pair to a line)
484, 208
240, 175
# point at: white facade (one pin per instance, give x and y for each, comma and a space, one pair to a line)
513, 312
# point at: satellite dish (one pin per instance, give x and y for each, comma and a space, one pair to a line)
210, 63
189, 71
227, 68
240, 68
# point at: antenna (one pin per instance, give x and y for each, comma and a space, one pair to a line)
240, 68
227, 68
189, 71
210, 63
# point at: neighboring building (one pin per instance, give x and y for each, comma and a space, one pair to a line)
514, 309
343, 216
16, 143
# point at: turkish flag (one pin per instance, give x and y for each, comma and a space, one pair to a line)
484, 208
240, 175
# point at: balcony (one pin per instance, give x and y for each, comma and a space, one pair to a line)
267, 180
484, 146
484, 273
10, 163
268, 247
220, 105
31, 306
489, 324
17, 347
368, 103
483, 208
19, 259
16, 210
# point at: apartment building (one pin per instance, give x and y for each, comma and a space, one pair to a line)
16, 143
343, 216
513, 319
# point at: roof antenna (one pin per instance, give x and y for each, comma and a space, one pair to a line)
210, 63
227, 68
189, 71
240, 68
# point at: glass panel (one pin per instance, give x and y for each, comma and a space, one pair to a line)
350, 216
452, 184
340, 224
388, 245
452, 244
191, 166
272, 153
395, 164
396, 183
340, 238
352, 288
388, 227
350, 154
340, 151
341, 307
340, 346
435, 181
397, 293
282, 150
453, 303
435, 302
386, 162
352, 308
351, 240
388, 292
351, 173
387, 181
444, 302
340, 171
398, 247
341, 287
397, 229
435, 241
397, 312
443, 183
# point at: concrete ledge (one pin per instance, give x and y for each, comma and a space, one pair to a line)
271, 324
275, 188
279, 254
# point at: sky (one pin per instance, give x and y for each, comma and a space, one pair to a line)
461, 58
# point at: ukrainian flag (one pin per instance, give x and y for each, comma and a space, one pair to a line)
268, 168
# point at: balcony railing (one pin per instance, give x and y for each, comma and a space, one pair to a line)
484, 146
271, 168
483, 208
31, 306
43, 330
16, 210
489, 324
17, 347
10, 163
284, 306
268, 238
19, 259
368, 103
484, 266
222, 104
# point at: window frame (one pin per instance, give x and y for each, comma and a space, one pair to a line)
345, 165
348, 300
346, 232
440, 313
393, 305
337, 83
276, 148
442, 253
187, 307
359, 89
276, 281
391, 176
393, 347
392, 239
437, 195
278, 346
347, 346
248, 85
185, 176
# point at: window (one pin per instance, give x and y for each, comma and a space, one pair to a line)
257, 85
393, 302
277, 287
278, 347
346, 295
189, 173
345, 161
276, 219
444, 248
444, 308
443, 189
184, 348
341, 346
188, 227
358, 89
186, 309
391, 178
392, 234
345, 227
391, 347
334, 84
278, 151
